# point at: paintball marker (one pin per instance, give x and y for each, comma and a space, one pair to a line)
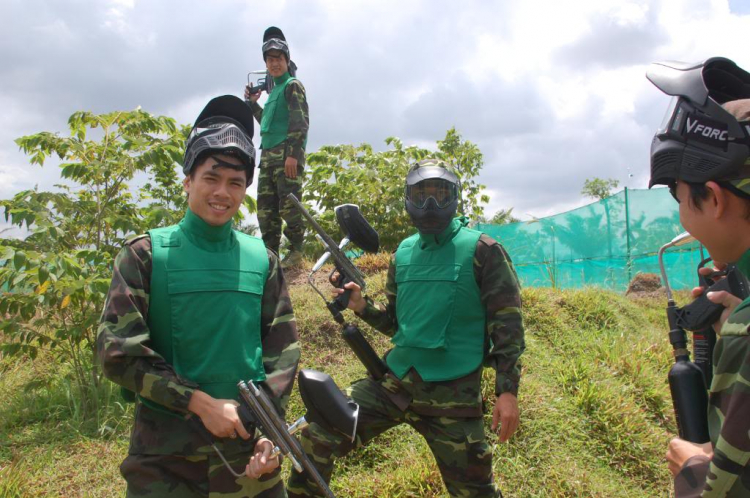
358, 231
326, 405
265, 84
687, 381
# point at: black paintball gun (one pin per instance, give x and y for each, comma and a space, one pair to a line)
358, 231
326, 405
265, 83
687, 381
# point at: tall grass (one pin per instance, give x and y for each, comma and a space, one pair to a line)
595, 409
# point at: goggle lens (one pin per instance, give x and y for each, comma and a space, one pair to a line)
441, 191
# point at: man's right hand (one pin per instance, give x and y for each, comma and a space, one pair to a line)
252, 97
219, 416
357, 302
729, 301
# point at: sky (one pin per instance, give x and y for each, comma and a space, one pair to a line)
552, 92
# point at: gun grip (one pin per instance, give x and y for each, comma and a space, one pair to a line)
342, 300
702, 313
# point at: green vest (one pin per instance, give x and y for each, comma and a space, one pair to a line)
275, 122
205, 303
441, 320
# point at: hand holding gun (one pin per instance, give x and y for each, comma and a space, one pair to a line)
326, 406
363, 235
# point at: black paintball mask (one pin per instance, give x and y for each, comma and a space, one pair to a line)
225, 126
274, 39
698, 140
431, 196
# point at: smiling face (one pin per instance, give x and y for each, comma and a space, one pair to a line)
216, 193
276, 63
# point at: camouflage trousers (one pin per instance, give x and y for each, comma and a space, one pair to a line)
458, 444
169, 476
273, 206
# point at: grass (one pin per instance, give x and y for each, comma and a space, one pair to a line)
595, 409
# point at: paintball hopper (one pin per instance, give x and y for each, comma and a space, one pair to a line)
326, 404
356, 228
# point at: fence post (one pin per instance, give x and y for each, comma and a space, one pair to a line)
628, 262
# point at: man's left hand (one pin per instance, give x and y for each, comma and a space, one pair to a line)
261, 462
680, 451
505, 412
290, 167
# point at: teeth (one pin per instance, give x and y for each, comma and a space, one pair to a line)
220, 207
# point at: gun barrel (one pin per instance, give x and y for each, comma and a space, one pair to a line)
253, 398
275, 427
342, 262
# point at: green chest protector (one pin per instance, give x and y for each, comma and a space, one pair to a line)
441, 320
275, 122
205, 303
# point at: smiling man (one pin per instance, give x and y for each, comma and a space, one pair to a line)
193, 308
283, 131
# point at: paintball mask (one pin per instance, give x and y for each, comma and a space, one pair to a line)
273, 39
224, 126
431, 195
699, 140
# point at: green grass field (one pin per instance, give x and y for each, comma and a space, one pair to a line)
595, 410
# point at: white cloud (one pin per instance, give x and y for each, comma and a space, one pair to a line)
552, 92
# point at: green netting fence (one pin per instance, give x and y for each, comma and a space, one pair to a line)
603, 244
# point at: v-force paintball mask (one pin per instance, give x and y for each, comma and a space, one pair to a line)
698, 140
431, 195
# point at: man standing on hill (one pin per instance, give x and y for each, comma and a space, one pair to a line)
192, 309
702, 152
283, 130
453, 306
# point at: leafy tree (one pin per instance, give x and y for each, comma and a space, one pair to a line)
57, 277
504, 217
375, 181
599, 188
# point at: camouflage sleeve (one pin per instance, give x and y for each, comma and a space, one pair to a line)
257, 110
123, 336
383, 318
688, 483
730, 390
279, 335
299, 120
501, 297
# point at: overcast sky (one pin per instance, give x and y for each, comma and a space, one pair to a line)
552, 92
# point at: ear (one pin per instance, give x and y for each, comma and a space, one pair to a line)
718, 199
186, 184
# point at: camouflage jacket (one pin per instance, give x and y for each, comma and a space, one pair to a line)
504, 340
299, 119
126, 358
728, 471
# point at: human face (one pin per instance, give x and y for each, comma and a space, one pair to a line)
215, 194
276, 63
692, 219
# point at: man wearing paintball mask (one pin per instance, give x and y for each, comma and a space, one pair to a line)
453, 306
283, 132
702, 152
192, 309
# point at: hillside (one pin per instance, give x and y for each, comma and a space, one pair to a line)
595, 410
